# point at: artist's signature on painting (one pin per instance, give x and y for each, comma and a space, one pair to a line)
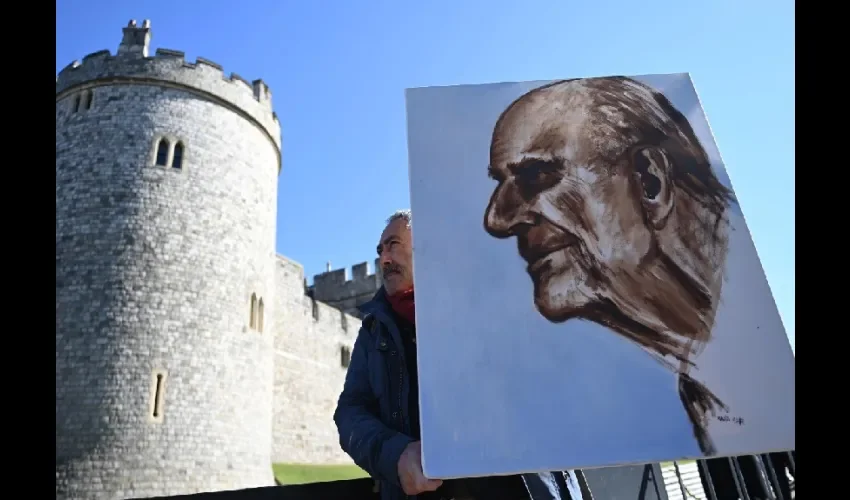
734, 420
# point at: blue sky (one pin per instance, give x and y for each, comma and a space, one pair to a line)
338, 70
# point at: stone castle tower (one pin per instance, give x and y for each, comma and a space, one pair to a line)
166, 194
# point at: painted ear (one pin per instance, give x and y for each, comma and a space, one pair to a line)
652, 171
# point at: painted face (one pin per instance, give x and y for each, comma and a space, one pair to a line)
565, 192
395, 256
616, 210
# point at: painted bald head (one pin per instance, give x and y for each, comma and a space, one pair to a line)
614, 206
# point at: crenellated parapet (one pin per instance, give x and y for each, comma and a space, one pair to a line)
168, 68
347, 291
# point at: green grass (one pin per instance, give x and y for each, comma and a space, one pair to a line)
681, 463
306, 473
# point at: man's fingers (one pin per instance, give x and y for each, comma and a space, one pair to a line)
421, 485
430, 484
435, 483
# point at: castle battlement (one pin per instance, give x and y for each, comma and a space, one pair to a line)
340, 282
347, 291
168, 68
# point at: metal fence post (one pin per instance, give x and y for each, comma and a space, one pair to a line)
701, 464
740, 484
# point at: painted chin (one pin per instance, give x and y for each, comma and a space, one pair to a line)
560, 285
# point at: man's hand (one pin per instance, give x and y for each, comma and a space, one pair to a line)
413, 482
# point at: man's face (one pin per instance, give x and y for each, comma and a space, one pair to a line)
570, 203
395, 254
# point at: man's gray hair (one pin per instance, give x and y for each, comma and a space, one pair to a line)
401, 214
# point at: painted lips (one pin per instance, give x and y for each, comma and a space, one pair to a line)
540, 242
542, 263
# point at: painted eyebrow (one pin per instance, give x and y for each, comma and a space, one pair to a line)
527, 163
534, 163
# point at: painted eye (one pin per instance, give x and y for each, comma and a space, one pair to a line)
537, 175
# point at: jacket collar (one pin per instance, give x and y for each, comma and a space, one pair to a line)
377, 304
379, 309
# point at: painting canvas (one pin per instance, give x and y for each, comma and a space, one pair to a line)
587, 291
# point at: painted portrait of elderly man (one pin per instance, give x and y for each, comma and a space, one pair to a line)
616, 210
584, 269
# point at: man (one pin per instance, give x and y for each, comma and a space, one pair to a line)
617, 211
377, 414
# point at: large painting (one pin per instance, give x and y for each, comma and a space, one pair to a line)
587, 291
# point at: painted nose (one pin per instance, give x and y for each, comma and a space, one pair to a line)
505, 211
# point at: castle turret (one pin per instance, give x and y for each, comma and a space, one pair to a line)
166, 193
136, 41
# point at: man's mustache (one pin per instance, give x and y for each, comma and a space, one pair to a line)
392, 268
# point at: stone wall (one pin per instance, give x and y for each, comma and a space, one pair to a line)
309, 374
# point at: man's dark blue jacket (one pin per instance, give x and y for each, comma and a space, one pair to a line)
371, 414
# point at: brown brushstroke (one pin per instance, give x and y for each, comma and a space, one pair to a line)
616, 209
699, 402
